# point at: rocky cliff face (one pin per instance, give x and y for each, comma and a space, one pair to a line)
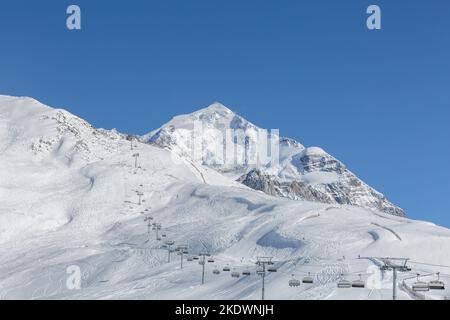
300, 174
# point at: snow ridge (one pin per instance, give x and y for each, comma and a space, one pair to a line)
301, 174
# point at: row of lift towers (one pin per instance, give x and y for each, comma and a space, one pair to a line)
266, 265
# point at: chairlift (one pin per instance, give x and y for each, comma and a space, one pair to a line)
159, 238
226, 269
294, 282
164, 235
420, 286
344, 283
246, 273
210, 260
185, 252
190, 259
358, 283
195, 257
308, 279
272, 269
260, 271
437, 284
216, 271
235, 274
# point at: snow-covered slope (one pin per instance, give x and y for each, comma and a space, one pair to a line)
301, 173
68, 197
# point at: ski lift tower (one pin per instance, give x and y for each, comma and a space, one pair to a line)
203, 262
181, 251
149, 224
262, 262
157, 227
169, 244
135, 156
130, 138
140, 194
394, 264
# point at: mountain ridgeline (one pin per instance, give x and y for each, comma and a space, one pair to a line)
300, 174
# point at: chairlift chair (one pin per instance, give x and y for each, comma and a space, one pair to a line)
226, 269
216, 271
308, 279
210, 260
246, 273
437, 284
272, 269
420, 286
190, 259
344, 284
358, 283
260, 271
294, 282
235, 274
195, 257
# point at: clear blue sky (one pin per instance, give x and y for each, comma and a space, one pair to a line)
377, 100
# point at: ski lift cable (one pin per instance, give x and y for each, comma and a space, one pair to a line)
429, 264
416, 275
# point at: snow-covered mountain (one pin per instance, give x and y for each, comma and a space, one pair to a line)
68, 198
301, 173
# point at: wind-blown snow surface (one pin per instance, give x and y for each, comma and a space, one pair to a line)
68, 197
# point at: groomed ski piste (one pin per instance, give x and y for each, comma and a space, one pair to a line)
69, 197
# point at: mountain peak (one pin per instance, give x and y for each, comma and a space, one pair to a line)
217, 107
314, 151
328, 180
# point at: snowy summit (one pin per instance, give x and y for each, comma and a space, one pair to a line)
301, 174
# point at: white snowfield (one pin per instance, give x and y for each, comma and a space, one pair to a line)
68, 197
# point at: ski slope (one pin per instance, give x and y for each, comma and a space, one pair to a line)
68, 197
